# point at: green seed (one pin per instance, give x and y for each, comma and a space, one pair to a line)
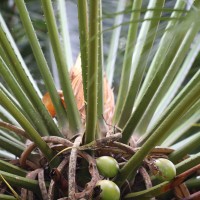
107, 166
166, 170
110, 191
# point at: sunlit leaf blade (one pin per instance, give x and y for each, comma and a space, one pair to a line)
18, 56
112, 55
7, 117
140, 56
16, 67
127, 61
168, 77
10, 137
166, 59
6, 155
65, 33
162, 48
11, 146
182, 125
180, 77
34, 135
22, 99
42, 64
185, 147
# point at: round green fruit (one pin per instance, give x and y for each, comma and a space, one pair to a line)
107, 166
109, 190
166, 170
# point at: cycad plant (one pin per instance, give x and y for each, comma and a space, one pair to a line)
75, 142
